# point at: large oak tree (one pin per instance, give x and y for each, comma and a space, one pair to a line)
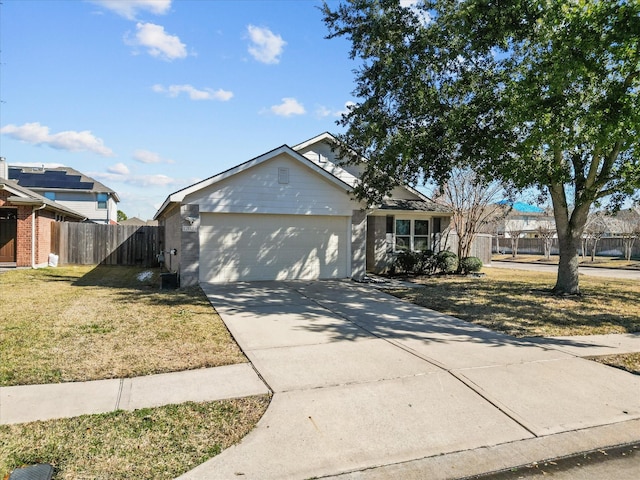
536, 93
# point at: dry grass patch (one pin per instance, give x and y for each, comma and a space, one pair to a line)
158, 443
519, 303
628, 361
82, 323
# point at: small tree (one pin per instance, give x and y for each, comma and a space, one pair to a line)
472, 200
626, 223
515, 229
121, 216
547, 232
594, 230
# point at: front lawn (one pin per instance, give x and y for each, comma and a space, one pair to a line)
151, 443
80, 323
519, 303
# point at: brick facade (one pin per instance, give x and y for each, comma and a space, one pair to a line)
43, 221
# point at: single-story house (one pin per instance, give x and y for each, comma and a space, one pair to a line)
290, 214
68, 187
26, 218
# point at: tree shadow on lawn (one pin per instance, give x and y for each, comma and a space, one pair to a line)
519, 309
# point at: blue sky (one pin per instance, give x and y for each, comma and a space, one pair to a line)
150, 96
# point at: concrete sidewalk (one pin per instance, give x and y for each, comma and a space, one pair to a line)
43, 402
369, 386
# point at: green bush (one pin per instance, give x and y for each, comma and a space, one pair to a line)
470, 265
426, 263
405, 262
447, 261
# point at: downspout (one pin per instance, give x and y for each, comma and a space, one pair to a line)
33, 234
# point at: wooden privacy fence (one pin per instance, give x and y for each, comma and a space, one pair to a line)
481, 246
92, 244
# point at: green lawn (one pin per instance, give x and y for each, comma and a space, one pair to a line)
82, 323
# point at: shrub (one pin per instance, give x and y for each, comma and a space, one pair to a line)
405, 262
426, 263
447, 261
470, 265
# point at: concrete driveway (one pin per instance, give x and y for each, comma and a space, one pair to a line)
362, 380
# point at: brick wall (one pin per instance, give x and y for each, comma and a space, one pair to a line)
44, 220
24, 236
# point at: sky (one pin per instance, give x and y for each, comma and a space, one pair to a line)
150, 96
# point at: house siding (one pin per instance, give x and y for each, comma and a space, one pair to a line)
87, 204
358, 244
257, 190
190, 240
172, 239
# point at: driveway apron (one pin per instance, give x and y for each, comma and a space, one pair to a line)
362, 379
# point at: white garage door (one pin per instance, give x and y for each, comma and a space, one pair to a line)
245, 247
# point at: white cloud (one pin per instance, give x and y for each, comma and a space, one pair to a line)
157, 180
323, 112
130, 8
145, 156
72, 141
38, 165
194, 93
345, 110
288, 107
266, 47
118, 169
157, 42
423, 15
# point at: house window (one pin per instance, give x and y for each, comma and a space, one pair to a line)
50, 195
421, 235
403, 235
411, 235
102, 200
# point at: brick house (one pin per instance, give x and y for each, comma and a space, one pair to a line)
26, 218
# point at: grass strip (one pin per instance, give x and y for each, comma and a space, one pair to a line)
150, 443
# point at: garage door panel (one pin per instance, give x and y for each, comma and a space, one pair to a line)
238, 247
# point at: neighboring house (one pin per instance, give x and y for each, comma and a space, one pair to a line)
72, 189
26, 218
290, 214
524, 219
139, 222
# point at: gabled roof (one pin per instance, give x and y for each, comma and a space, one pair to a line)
25, 196
339, 171
413, 205
179, 196
57, 179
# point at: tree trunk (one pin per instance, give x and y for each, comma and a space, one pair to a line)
567, 281
569, 228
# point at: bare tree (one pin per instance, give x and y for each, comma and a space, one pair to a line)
626, 223
594, 230
547, 231
473, 202
515, 228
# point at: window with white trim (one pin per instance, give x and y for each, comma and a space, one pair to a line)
411, 234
